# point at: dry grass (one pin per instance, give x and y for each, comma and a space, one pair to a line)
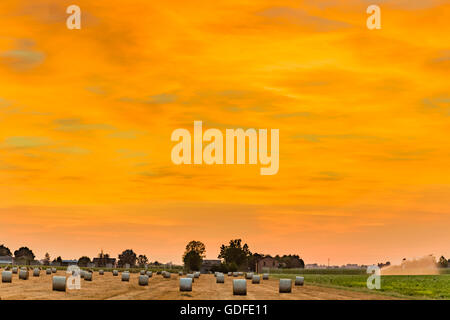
204, 288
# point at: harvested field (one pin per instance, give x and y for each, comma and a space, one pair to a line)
159, 288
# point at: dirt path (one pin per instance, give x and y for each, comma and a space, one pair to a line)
204, 288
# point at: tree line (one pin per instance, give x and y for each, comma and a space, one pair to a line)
236, 256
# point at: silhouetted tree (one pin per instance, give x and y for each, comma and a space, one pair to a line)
127, 257
4, 251
236, 253
196, 246
84, 261
142, 260
24, 254
192, 261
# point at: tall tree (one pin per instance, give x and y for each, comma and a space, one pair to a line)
127, 257
47, 259
4, 251
236, 253
196, 246
193, 255
24, 254
192, 261
84, 261
142, 260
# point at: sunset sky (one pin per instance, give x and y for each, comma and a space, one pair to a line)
364, 117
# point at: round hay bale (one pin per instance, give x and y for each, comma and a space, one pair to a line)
256, 279
299, 281
142, 272
285, 285
101, 272
180, 273
88, 276
149, 274
235, 274
59, 283
166, 275
196, 274
53, 270
230, 274
48, 271
143, 280
115, 273
24, 274
191, 276
125, 276
220, 278
7, 276
265, 276
239, 287
14, 270
36, 272
158, 272
186, 284
249, 275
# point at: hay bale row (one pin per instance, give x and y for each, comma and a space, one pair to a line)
299, 281
24, 274
7, 276
256, 279
285, 286
88, 276
239, 287
186, 284
143, 280
191, 276
220, 278
59, 283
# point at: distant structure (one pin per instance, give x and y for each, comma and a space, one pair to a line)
267, 263
103, 260
207, 265
67, 263
6, 260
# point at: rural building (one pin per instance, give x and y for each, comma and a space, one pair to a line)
266, 263
104, 261
6, 260
207, 265
66, 263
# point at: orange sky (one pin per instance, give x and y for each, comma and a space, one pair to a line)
86, 117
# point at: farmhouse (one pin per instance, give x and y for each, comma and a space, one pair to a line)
103, 261
207, 265
266, 263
